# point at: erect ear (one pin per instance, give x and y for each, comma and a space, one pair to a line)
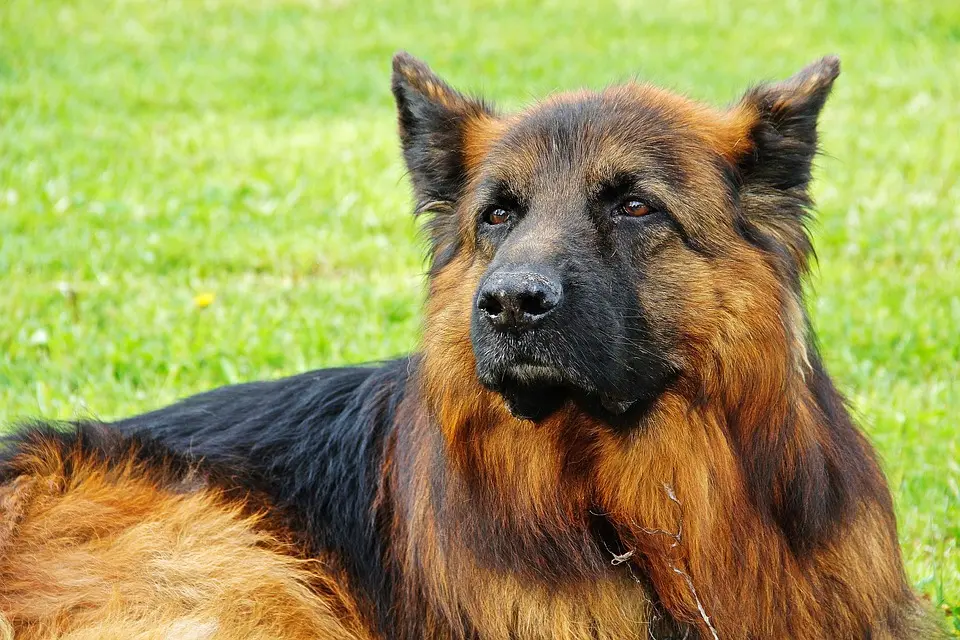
784, 135
435, 122
780, 122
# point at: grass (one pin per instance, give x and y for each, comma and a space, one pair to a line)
151, 152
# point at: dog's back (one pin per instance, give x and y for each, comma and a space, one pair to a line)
104, 536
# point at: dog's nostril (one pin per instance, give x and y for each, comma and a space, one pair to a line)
490, 304
537, 302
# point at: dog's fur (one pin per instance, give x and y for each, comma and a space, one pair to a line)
107, 537
664, 456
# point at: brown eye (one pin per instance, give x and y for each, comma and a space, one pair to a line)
496, 216
634, 209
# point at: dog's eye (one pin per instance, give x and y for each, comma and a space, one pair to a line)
495, 216
634, 208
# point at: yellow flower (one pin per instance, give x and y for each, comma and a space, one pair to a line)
204, 300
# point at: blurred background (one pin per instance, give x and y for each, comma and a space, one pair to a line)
201, 192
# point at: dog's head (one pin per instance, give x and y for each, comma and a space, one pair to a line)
599, 247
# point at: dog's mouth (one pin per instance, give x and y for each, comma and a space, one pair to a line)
535, 392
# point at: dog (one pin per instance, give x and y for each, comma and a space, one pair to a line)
618, 424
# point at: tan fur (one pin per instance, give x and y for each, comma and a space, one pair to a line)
677, 491
89, 552
730, 571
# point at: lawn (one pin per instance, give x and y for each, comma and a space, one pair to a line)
194, 193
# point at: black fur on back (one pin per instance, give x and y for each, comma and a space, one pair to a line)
310, 446
313, 443
98, 442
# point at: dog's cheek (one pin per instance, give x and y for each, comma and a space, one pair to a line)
675, 298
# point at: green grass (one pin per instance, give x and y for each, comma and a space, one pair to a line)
151, 151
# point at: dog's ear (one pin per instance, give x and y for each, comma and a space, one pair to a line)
774, 159
435, 124
783, 138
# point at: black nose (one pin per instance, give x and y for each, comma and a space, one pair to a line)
518, 300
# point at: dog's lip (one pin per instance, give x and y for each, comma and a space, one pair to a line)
527, 379
521, 377
534, 374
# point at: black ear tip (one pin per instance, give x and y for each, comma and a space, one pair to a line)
407, 67
817, 76
834, 61
830, 65
402, 60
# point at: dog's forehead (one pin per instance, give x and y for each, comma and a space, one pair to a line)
591, 136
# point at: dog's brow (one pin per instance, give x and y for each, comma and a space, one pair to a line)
650, 185
499, 190
617, 182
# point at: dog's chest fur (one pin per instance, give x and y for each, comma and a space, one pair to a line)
616, 607
590, 593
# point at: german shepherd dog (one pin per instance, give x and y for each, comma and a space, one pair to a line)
618, 425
